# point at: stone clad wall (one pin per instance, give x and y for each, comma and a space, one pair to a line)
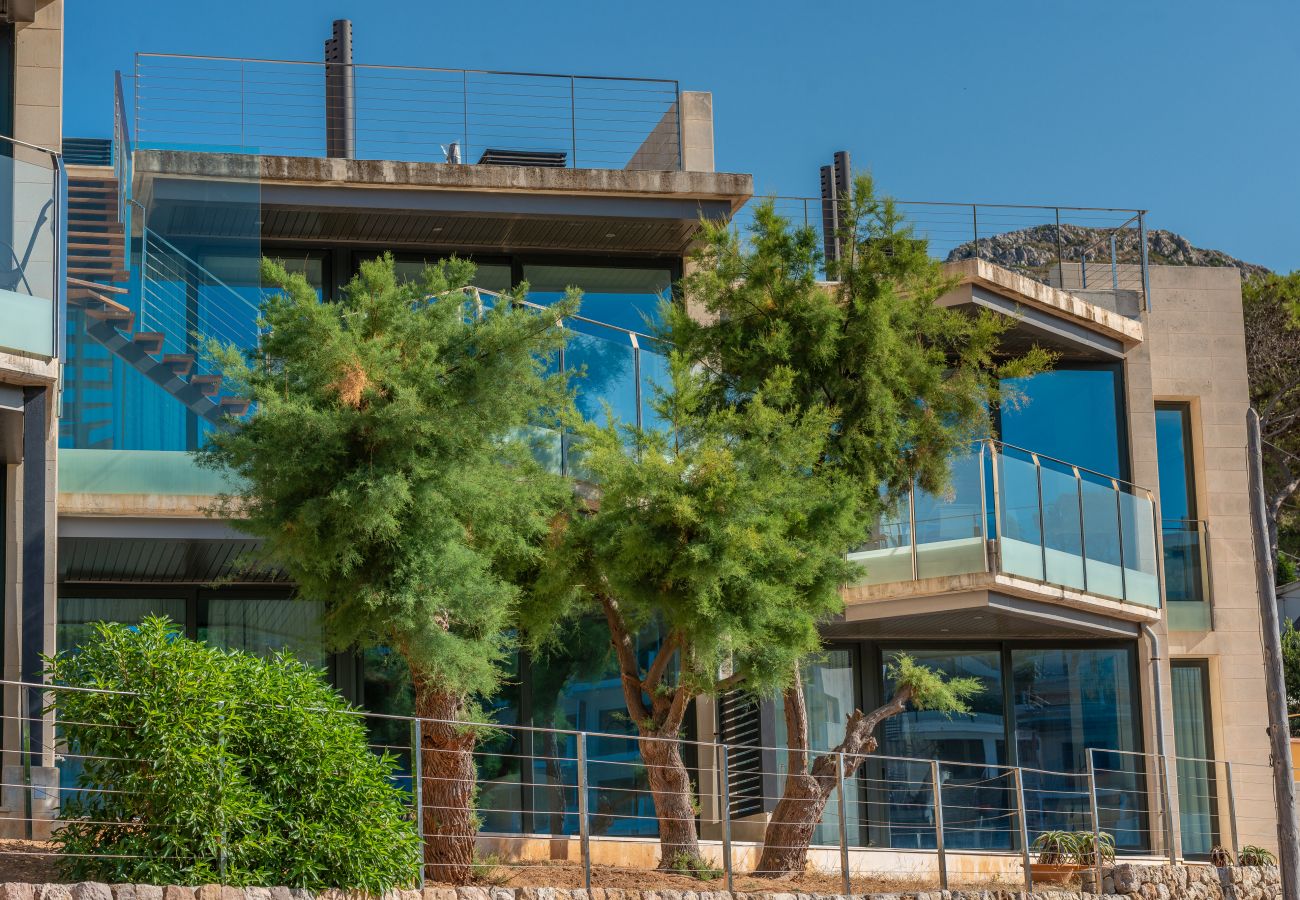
1124, 882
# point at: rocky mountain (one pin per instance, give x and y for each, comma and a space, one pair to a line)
1034, 250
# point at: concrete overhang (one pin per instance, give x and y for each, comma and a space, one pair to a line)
431, 206
987, 605
1044, 315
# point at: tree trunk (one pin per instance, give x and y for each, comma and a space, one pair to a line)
670, 785
448, 776
807, 791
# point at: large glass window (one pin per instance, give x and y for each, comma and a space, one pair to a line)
77, 615
1198, 806
1074, 413
975, 794
1174, 460
1068, 701
1186, 553
264, 626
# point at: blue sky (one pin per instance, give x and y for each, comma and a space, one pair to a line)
1190, 109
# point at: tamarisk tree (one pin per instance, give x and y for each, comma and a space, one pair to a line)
908, 383
384, 471
712, 528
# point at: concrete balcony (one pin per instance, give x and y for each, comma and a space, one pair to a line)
1019, 535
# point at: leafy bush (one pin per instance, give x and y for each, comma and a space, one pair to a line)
1251, 855
1077, 848
221, 766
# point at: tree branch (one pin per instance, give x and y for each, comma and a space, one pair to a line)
662, 660
796, 726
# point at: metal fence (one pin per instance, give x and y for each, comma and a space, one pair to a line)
564, 806
1077, 248
407, 113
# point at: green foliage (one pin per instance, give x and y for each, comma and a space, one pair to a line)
693, 866
1285, 570
1079, 848
714, 526
1271, 304
929, 689
201, 753
1291, 669
387, 465
1220, 857
1251, 855
908, 382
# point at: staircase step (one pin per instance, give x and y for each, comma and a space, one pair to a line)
235, 406
112, 229
91, 187
88, 245
149, 341
180, 363
119, 317
112, 274
96, 286
208, 385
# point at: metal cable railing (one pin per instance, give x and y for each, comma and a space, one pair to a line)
589, 796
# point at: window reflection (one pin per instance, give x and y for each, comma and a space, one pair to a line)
626, 297
1070, 413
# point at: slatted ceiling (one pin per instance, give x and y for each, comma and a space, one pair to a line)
156, 561
740, 728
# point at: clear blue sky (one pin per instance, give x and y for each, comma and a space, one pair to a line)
1188, 108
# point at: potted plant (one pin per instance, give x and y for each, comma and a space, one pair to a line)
1062, 855
1251, 855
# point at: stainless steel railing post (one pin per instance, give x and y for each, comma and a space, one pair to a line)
845, 877
938, 824
417, 788
1166, 801
584, 832
1096, 819
724, 810
1024, 827
1232, 809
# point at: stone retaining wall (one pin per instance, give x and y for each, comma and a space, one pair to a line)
1124, 882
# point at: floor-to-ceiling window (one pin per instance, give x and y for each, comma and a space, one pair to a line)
1198, 803
1074, 412
1184, 535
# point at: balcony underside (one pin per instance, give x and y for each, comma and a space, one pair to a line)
984, 606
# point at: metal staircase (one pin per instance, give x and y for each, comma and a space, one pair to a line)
149, 319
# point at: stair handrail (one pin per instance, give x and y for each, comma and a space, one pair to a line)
122, 152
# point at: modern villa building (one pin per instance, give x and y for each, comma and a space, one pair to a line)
1092, 565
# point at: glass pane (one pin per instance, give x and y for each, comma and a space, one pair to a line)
624, 297
974, 791
654, 378
264, 625
607, 359
886, 554
949, 529
1062, 525
1072, 414
1101, 540
27, 273
1177, 499
1070, 700
1197, 785
77, 615
1138, 524
1021, 533
831, 696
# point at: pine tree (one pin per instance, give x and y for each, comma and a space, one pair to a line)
386, 469
712, 528
908, 383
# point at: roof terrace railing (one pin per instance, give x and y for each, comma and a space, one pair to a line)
407, 113
1077, 248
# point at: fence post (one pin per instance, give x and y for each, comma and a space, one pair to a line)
845, 877
573, 122
1024, 827
1114, 265
938, 824
221, 787
25, 741
1096, 819
584, 834
417, 787
724, 809
1232, 808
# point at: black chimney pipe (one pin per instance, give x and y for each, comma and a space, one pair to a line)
340, 94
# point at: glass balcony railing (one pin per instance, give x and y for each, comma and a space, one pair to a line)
1187, 574
1015, 512
32, 191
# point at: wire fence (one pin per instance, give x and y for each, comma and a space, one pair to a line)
405, 113
1074, 248
560, 806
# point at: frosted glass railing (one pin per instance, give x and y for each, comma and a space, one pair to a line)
1187, 574
1020, 513
32, 189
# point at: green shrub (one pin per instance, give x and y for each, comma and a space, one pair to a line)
221, 766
